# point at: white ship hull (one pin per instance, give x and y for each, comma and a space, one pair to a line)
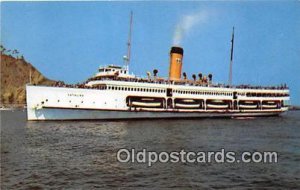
61, 103
77, 114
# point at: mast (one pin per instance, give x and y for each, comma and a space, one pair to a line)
127, 60
231, 58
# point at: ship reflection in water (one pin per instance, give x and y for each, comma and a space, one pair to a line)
82, 155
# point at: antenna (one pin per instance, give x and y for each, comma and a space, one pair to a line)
127, 59
231, 58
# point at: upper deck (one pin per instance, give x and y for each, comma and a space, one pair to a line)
156, 82
112, 71
118, 78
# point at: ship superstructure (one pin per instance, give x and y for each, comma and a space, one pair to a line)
114, 93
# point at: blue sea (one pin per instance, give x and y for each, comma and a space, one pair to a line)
82, 155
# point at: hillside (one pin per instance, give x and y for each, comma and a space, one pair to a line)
15, 74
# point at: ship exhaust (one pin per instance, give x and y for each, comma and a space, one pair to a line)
176, 56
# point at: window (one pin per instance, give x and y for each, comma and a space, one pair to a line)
169, 92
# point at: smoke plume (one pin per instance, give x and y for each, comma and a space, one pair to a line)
186, 23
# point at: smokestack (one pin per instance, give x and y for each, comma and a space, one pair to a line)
176, 56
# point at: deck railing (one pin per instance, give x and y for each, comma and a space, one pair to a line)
167, 82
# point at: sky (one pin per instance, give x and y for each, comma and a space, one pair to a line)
69, 40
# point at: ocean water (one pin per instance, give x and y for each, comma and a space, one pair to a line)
82, 155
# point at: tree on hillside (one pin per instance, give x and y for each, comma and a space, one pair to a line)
16, 53
2, 49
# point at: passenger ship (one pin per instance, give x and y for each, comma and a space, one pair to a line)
114, 93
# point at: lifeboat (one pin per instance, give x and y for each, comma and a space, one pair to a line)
217, 104
146, 104
248, 104
147, 99
269, 104
178, 105
217, 101
188, 100
188, 103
